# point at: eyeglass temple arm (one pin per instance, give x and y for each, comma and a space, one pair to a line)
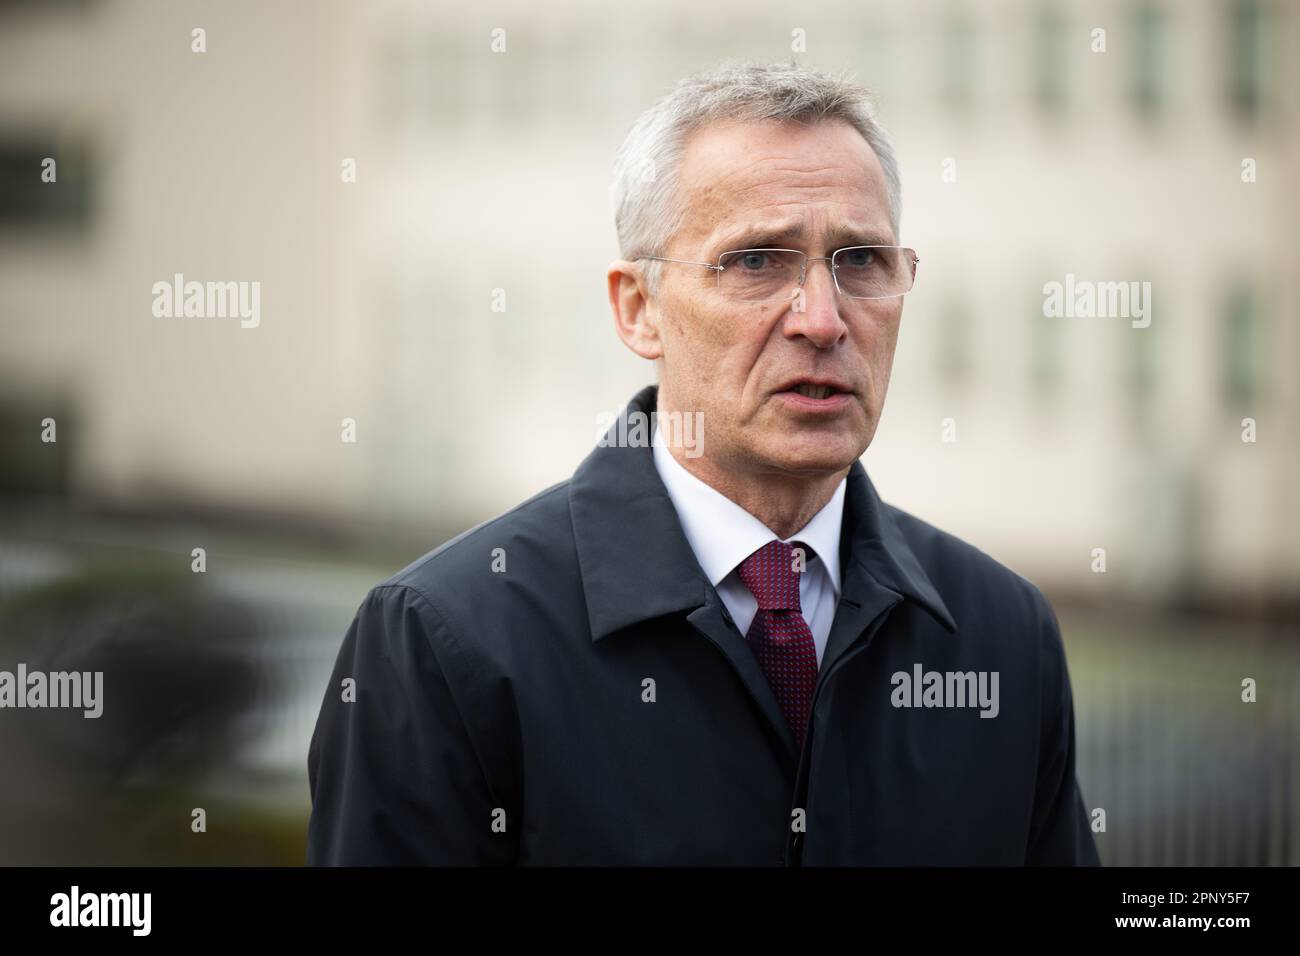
688, 262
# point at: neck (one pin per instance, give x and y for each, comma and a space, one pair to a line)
784, 502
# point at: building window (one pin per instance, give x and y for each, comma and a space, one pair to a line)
1046, 353
958, 79
1247, 31
1241, 350
1150, 59
1051, 55
1142, 349
954, 351
27, 199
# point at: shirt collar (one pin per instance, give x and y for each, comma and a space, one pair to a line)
723, 534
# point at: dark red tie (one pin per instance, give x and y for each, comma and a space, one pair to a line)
779, 635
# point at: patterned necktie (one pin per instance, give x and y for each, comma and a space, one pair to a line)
779, 635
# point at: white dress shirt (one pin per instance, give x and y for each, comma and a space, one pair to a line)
722, 534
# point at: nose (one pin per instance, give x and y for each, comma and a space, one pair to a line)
815, 311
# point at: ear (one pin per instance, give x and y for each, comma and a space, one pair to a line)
634, 319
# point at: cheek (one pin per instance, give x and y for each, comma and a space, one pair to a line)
716, 349
880, 334
883, 330
727, 341
695, 328
673, 325
692, 351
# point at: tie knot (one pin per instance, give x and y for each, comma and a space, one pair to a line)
772, 574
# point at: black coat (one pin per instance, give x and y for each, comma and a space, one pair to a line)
594, 704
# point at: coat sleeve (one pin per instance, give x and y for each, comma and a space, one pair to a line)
395, 772
1060, 832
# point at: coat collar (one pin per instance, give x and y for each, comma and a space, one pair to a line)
636, 563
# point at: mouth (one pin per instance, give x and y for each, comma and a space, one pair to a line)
815, 394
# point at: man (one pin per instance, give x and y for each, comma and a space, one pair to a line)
722, 647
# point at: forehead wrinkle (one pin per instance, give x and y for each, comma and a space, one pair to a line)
798, 226
765, 193
718, 199
809, 170
766, 182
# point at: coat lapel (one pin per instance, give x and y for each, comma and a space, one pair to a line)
880, 570
637, 565
709, 621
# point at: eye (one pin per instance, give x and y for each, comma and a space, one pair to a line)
858, 258
752, 261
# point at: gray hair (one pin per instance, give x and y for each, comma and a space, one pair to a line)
643, 192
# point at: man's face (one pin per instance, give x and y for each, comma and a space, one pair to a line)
815, 189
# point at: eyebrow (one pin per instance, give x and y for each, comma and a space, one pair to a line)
760, 237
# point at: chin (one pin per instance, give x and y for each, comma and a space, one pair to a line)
814, 454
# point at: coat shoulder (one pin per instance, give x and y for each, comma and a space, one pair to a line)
963, 573
541, 524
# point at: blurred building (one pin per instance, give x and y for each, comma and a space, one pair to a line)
1027, 154
450, 302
